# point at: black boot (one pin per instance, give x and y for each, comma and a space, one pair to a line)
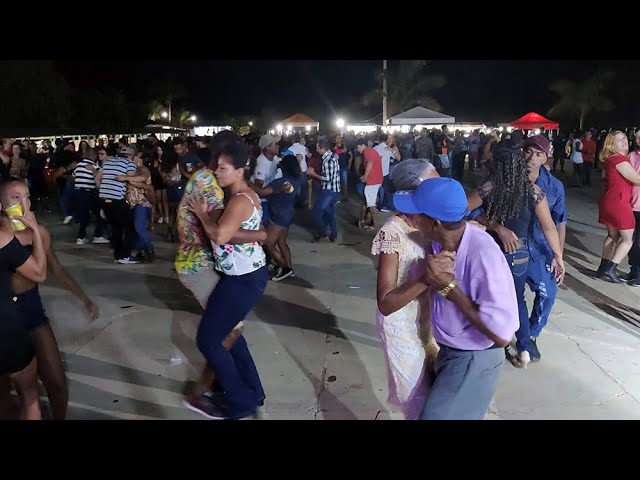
603, 265
610, 274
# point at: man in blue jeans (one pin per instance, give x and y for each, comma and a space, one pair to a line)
324, 206
540, 278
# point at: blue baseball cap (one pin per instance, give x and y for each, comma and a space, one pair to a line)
440, 198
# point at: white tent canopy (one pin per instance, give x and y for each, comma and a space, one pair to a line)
420, 116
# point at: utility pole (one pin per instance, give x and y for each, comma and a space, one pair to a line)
384, 93
169, 102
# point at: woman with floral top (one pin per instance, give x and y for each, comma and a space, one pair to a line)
243, 278
138, 192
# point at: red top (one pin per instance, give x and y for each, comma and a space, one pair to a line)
315, 162
375, 175
588, 150
615, 203
614, 180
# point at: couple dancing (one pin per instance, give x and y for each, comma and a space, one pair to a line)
447, 304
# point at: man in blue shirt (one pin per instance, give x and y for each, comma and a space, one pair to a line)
540, 278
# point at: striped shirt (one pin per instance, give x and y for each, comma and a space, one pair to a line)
330, 177
85, 178
110, 188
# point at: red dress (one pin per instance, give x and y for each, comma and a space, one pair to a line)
615, 203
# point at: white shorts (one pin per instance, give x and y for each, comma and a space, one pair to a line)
201, 283
371, 195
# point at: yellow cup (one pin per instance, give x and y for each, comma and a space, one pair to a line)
16, 211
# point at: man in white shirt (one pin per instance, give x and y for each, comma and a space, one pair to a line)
577, 160
266, 170
387, 159
302, 153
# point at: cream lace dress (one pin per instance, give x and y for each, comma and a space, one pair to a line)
406, 334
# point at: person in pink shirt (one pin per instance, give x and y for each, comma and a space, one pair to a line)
634, 253
474, 313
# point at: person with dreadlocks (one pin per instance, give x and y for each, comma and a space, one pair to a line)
512, 203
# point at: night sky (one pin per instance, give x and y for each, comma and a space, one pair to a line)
476, 90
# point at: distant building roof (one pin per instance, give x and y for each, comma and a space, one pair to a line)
300, 120
420, 116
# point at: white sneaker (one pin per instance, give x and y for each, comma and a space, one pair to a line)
127, 261
100, 240
82, 241
67, 219
159, 220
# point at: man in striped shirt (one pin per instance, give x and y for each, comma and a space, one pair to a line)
113, 201
324, 207
85, 197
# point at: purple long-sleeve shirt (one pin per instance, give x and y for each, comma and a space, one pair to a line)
483, 274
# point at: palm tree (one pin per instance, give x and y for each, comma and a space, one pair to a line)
168, 91
580, 99
182, 118
408, 86
155, 110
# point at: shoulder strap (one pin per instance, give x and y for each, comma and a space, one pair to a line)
250, 199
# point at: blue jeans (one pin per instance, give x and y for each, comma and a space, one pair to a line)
344, 177
385, 194
66, 200
541, 282
518, 262
324, 212
141, 216
301, 201
465, 384
266, 215
229, 303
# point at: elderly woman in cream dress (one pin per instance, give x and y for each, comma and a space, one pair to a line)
403, 321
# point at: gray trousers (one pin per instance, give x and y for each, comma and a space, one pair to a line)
465, 384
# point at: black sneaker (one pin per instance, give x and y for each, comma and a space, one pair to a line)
283, 273
534, 352
206, 407
634, 282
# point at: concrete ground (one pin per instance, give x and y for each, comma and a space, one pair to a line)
313, 336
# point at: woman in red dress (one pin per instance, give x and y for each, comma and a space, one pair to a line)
615, 204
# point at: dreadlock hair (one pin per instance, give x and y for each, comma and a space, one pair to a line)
511, 184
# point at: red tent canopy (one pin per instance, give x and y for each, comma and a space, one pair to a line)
533, 120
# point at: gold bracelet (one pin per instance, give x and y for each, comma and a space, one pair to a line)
448, 289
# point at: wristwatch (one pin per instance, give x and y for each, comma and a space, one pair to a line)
444, 293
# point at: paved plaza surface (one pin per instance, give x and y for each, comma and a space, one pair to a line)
313, 336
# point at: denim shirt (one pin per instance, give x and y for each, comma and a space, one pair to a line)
538, 246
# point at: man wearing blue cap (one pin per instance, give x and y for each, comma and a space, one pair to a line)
474, 313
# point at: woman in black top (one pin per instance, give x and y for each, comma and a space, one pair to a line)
17, 362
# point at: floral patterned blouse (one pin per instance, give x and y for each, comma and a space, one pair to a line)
194, 249
138, 196
242, 258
